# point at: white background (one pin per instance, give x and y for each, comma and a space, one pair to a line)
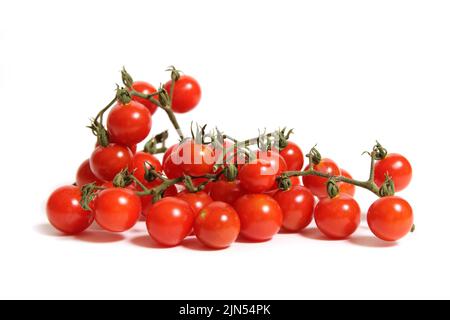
343, 73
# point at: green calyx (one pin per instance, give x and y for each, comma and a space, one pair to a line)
127, 79
88, 193
284, 183
230, 172
387, 189
123, 95
164, 98
379, 152
100, 132
283, 138
315, 156
157, 144
123, 179
332, 188
175, 74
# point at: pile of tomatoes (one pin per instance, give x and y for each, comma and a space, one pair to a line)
230, 194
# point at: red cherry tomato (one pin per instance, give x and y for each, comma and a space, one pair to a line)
86, 176
390, 218
145, 88
172, 167
318, 185
277, 162
168, 152
197, 200
347, 188
225, 191
117, 209
397, 167
297, 205
141, 160
65, 213
186, 95
295, 181
107, 162
129, 124
197, 159
261, 216
147, 201
257, 176
293, 156
337, 218
217, 226
169, 221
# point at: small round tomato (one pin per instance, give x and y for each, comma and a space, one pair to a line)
297, 205
293, 156
107, 162
147, 201
217, 226
117, 209
129, 123
145, 88
86, 176
390, 218
169, 221
338, 217
295, 181
226, 191
172, 167
65, 213
257, 176
168, 152
197, 200
277, 162
142, 160
186, 94
395, 166
318, 185
197, 159
347, 188
261, 216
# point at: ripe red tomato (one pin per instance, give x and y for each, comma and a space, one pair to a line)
86, 176
117, 209
147, 201
197, 159
293, 156
142, 160
257, 176
339, 217
217, 226
277, 162
347, 188
297, 205
169, 221
129, 124
225, 191
145, 88
107, 162
397, 167
390, 218
172, 167
186, 95
261, 216
197, 200
65, 213
295, 181
318, 185
168, 152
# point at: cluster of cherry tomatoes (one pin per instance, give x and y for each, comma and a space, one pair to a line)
213, 191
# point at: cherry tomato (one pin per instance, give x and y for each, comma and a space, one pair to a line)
145, 88
186, 95
347, 188
86, 176
295, 181
318, 185
397, 167
261, 216
147, 201
293, 156
297, 205
277, 162
197, 159
117, 209
65, 213
257, 176
339, 217
129, 124
107, 162
197, 200
141, 160
169, 221
217, 226
390, 218
168, 152
225, 191
172, 167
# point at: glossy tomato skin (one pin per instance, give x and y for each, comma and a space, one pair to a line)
107, 162
293, 156
197, 159
168, 152
217, 225
85, 175
226, 191
147, 201
390, 218
318, 185
197, 200
397, 167
339, 217
172, 167
129, 124
141, 160
169, 221
297, 205
260, 215
186, 95
347, 188
257, 176
65, 213
145, 88
277, 163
